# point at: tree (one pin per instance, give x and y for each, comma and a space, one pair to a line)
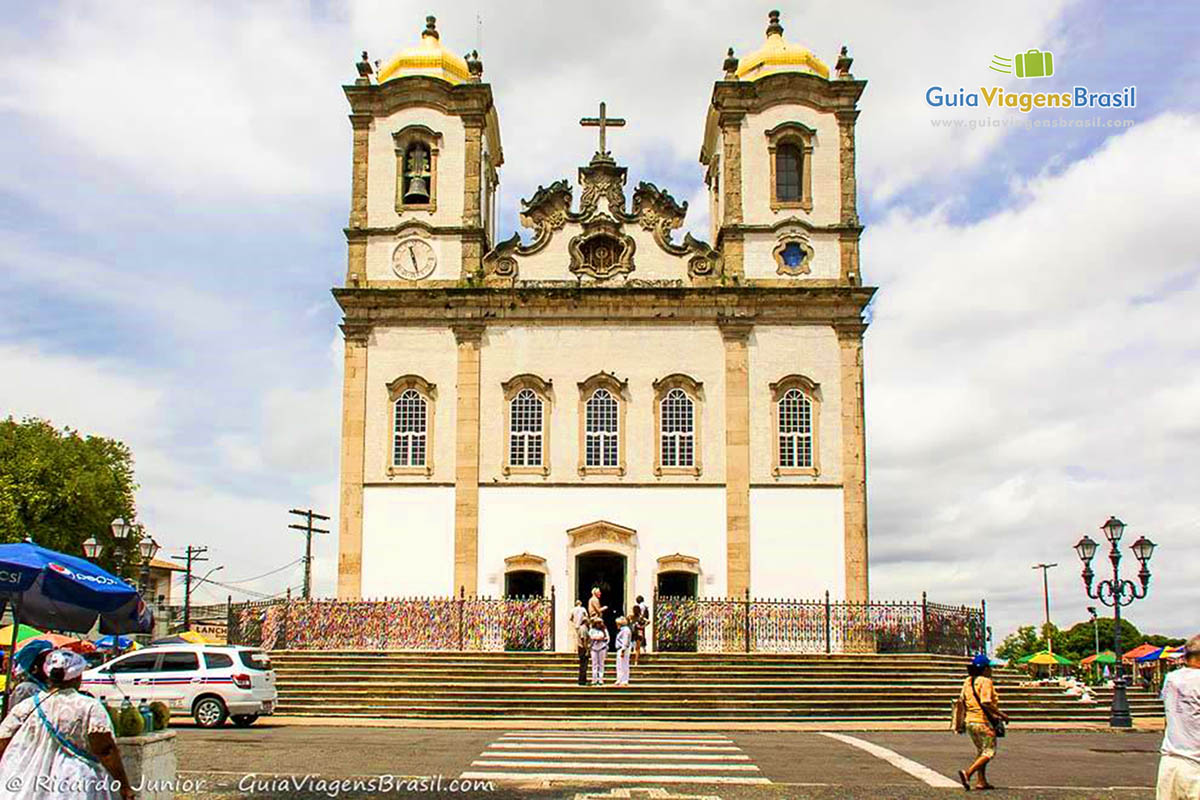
58, 487
1023, 642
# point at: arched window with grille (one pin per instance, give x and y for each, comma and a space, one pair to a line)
410, 432
525, 430
795, 430
412, 400
602, 432
677, 441
797, 415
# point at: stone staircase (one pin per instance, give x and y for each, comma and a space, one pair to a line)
665, 686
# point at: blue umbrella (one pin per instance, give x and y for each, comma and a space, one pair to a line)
1153, 655
56, 591
113, 642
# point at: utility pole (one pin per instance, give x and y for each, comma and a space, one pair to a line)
1045, 568
309, 515
194, 555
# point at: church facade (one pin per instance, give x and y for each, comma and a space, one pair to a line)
603, 402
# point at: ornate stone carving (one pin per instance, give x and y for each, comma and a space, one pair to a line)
526, 562
546, 212
602, 178
602, 531
678, 562
793, 254
602, 251
658, 212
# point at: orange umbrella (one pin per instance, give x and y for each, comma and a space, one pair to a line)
1139, 651
56, 639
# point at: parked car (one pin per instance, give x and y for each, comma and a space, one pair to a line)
209, 682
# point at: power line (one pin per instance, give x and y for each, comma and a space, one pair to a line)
265, 574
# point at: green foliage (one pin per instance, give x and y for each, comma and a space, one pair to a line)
58, 487
1023, 642
1078, 641
162, 715
130, 722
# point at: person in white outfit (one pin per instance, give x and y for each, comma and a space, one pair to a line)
599, 639
59, 743
1179, 767
623, 644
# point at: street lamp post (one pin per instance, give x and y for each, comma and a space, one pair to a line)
147, 549
1116, 593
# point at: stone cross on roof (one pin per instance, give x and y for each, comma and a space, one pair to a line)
602, 122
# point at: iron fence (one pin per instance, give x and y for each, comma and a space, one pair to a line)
410, 623
730, 625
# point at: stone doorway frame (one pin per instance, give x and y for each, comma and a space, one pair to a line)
527, 562
604, 536
678, 562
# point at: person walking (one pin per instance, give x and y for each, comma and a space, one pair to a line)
579, 629
598, 636
984, 720
623, 644
1179, 767
63, 737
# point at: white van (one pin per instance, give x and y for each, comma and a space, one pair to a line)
210, 682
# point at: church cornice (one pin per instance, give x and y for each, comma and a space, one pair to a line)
783, 304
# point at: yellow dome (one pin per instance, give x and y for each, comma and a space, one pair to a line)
777, 55
427, 58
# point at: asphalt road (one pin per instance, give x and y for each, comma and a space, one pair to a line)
287, 761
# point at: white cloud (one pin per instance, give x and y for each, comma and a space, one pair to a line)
1021, 386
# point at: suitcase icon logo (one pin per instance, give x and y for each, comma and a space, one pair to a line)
1030, 64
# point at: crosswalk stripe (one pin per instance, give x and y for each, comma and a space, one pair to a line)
618, 741
615, 734
587, 764
589, 777
607, 757
691, 747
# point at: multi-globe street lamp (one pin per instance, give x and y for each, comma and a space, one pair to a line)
1116, 593
147, 548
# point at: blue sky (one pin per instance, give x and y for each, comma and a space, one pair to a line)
177, 180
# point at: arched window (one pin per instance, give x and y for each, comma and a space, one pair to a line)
409, 433
418, 174
789, 173
525, 430
790, 146
601, 442
795, 430
416, 148
677, 440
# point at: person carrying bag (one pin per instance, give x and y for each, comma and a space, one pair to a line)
977, 711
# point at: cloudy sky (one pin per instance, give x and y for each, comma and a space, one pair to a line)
176, 177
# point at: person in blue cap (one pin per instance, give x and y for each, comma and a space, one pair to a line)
983, 717
28, 662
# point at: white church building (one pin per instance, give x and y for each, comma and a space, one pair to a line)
603, 403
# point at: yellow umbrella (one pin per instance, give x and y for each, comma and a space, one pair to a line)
195, 638
26, 632
1044, 657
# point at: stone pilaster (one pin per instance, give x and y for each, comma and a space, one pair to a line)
737, 455
354, 417
731, 160
854, 462
472, 252
358, 174
850, 272
846, 166
466, 459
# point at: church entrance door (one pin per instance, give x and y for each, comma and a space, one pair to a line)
607, 571
524, 583
677, 584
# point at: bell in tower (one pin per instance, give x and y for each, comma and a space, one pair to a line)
416, 175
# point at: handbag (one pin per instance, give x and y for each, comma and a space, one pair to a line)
958, 715
997, 724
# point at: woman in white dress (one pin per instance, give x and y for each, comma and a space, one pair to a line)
59, 743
